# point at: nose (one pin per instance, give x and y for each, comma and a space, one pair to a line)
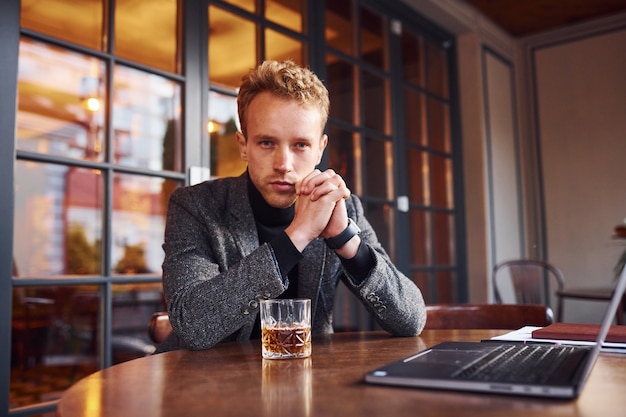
283, 159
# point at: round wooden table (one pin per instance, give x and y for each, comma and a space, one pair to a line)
232, 379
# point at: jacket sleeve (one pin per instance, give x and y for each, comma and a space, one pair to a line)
212, 289
389, 296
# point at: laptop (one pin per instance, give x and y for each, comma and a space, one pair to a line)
545, 370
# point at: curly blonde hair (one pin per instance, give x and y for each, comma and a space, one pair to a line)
286, 80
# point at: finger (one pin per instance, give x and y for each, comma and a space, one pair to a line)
302, 186
330, 190
316, 179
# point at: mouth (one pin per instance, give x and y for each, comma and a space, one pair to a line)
283, 186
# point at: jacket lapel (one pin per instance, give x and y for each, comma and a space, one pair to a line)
240, 218
310, 271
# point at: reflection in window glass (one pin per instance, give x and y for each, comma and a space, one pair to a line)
444, 238
439, 125
412, 58
341, 88
289, 13
62, 113
249, 5
339, 26
281, 47
54, 340
424, 281
232, 47
344, 156
376, 105
139, 208
441, 174
446, 287
420, 232
223, 126
415, 117
373, 42
58, 220
146, 120
382, 218
379, 175
437, 63
133, 305
151, 40
418, 176
79, 22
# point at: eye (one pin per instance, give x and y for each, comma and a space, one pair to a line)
302, 145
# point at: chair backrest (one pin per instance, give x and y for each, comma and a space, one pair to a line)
527, 281
487, 316
159, 327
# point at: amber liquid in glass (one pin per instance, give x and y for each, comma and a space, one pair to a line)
286, 342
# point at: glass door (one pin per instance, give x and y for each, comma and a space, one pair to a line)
99, 148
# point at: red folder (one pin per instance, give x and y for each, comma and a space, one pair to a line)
573, 331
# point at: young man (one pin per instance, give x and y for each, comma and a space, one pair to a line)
283, 229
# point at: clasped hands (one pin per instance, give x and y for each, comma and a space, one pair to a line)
320, 209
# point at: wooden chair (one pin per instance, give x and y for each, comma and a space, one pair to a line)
528, 281
487, 316
159, 327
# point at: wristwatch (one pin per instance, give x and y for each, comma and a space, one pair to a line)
347, 234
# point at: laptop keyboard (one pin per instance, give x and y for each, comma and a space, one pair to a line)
516, 363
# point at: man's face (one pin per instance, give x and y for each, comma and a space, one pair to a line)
284, 144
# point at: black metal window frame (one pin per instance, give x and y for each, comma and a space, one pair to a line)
196, 89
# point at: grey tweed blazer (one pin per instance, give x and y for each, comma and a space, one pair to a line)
214, 271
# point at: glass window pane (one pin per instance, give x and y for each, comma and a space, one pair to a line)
53, 341
379, 174
339, 26
133, 305
153, 39
419, 230
289, 13
376, 103
444, 238
222, 127
146, 120
280, 47
424, 281
439, 125
58, 220
441, 174
341, 89
139, 209
412, 58
62, 113
415, 116
373, 38
79, 22
249, 5
344, 151
418, 176
446, 287
382, 218
232, 47
437, 63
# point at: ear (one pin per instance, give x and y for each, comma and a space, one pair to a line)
242, 142
323, 143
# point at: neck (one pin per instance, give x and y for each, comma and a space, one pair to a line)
266, 214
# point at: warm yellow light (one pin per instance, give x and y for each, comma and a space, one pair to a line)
93, 104
211, 126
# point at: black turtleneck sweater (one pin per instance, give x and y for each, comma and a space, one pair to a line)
271, 223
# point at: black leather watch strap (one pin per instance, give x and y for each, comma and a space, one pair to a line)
347, 234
